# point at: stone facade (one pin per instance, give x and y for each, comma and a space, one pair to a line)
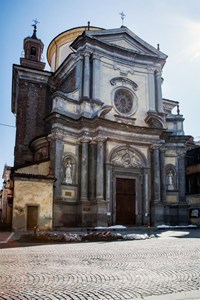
115, 149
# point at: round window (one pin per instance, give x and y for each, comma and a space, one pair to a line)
123, 101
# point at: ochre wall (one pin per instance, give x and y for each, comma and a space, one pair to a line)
34, 193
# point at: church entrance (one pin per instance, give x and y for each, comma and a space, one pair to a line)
125, 201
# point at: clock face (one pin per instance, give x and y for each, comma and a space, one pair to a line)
123, 101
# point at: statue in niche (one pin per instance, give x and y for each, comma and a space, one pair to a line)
68, 172
170, 180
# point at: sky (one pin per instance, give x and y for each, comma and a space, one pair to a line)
174, 24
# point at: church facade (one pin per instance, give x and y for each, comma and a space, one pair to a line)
96, 143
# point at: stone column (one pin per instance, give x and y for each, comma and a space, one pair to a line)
181, 177
108, 182
96, 76
151, 84
109, 193
86, 76
146, 204
156, 175
158, 81
84, 168
100, 168
162, 175
92, 170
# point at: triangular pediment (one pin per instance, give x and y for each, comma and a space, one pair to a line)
126, 39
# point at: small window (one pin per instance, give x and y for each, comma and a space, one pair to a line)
33, 51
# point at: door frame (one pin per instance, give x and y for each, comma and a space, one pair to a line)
38, 207
131, 215
135, 174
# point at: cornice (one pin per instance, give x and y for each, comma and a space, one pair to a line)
115, 49
31, 74
96, 122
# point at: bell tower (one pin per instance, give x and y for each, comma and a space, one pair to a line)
33, 48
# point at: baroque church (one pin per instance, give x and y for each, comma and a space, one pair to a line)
96, 143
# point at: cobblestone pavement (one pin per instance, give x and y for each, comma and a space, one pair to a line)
144, 269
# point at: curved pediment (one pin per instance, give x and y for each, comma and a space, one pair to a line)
155, 121
123, 80
127, 157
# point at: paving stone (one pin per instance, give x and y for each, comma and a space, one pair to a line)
122, 270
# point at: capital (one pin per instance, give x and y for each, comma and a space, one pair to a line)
85, 139
99, 139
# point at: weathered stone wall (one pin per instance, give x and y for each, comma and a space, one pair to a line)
36, 193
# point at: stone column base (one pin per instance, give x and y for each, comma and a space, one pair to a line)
176, 214
85, 213
183, 214
157, 214
99, 213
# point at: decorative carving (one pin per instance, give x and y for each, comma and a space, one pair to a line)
127, 159
155, 121
99, 138
124, 81
85, 139
104, 110
96, 55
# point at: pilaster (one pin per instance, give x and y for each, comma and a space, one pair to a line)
84, 168
100, 167
158, 80
96, 76
162, 175
151, 84
56, 152
86, 75
156, 174
146, 202
181, 177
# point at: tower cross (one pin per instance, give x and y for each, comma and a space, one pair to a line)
35, 23
122, 17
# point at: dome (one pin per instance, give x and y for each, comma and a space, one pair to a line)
59, 47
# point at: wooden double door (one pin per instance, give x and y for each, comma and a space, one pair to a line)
125, 201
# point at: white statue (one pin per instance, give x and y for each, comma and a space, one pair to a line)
68, 172
170, 180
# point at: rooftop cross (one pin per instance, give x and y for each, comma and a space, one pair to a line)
35, 28
122, 17
35, 23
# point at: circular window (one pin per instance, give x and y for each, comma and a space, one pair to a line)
124, 101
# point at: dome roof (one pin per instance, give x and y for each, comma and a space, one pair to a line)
59, 47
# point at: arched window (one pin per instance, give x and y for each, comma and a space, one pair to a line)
33, 51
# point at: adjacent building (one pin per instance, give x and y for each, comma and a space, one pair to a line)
96, 143
193, 183
6, 199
